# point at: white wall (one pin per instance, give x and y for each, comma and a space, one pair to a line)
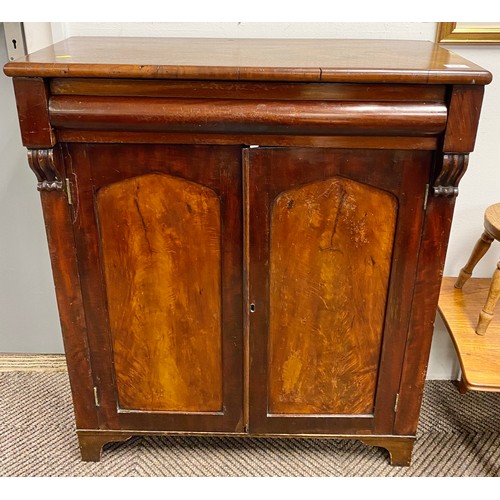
478, 188
409, 31
28, 313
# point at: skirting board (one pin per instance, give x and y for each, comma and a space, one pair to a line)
32, 362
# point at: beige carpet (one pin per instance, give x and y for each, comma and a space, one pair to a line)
458, 436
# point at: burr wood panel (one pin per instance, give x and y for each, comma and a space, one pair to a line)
331, 248
163, 291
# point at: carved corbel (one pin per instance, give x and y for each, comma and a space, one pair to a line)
42, 162
452, 170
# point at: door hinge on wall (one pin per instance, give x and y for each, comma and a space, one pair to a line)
96, 396
396, 403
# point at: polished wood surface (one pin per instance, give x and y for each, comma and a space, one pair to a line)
247, 116
320, 141
158, 346
464, 112
246, 90
58, 218
163, 292
384, 189
399, 447
331, 249
32, 98
427, 281
479, 355
327, 60
492, 220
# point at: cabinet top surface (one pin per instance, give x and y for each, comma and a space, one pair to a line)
306, 60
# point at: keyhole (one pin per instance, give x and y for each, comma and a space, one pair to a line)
14, 42
252, 308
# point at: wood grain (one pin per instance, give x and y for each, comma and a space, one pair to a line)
32, 99
464, 111
62, 250
478, 252
490, 233
492, 220
95, 167
331, 248
247, 116
273, 171
427, 281
163, 290
488, 310
427, 143
479, 355
307, 60
400, 448
246, 90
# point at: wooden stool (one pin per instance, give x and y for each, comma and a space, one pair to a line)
491, 232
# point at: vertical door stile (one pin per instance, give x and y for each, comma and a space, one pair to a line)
246, 289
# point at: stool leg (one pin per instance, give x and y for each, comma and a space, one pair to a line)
486, 315
481, 247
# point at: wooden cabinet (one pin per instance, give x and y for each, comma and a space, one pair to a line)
247, 237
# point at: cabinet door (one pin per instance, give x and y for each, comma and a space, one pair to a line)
158, 231
333, 239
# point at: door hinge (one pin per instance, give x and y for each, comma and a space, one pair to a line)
68, 192
426, 196
396, 403
96, 396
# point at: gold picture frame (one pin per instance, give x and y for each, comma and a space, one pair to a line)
480, 33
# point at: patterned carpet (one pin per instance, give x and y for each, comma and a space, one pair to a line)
458, 436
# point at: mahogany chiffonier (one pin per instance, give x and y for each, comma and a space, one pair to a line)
247, 236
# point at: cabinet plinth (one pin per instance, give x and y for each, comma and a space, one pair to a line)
247, 236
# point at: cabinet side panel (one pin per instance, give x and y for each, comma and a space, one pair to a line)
58, 225
162, 263
330, 257
432, 256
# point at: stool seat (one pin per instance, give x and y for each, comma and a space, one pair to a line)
491, 232
492, 220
